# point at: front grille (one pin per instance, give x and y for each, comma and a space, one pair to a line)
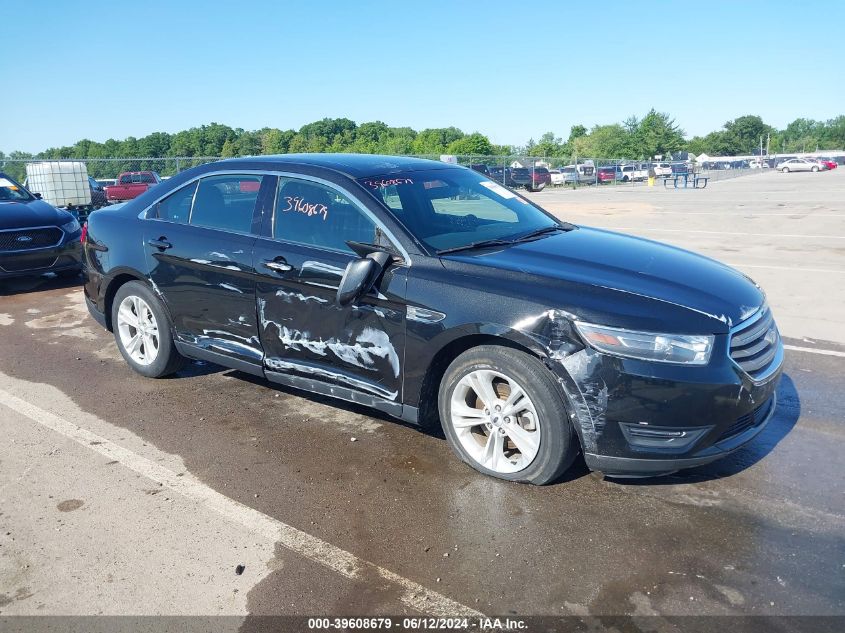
26, 239
749, 420
29, 263
754, 346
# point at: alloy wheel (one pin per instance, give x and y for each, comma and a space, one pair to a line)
138, 330
495, 421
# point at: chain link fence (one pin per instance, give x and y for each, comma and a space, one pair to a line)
516, 171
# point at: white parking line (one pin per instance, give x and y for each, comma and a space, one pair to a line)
346, 564
804, 237
811, 350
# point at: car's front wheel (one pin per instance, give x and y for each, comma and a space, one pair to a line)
504, 415
142, 331
785, 170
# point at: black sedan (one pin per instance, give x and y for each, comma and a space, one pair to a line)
35, 237
434, 294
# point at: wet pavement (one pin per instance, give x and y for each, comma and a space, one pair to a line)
392, 521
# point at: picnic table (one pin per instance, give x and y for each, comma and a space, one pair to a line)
687, 178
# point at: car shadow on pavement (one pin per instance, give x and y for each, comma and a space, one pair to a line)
24, 285
783, 420
433, 429
351, 407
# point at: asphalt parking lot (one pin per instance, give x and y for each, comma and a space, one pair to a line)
215, 493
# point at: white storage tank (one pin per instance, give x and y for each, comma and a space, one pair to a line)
61, 183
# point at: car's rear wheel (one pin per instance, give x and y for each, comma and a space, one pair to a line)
814, 169
142, 331
504, 414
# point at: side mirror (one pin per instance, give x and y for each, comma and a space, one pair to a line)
361, 274
357, 279
37, 195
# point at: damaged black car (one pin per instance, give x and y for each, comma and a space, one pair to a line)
436, 295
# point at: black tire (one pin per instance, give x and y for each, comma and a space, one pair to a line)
785, 170
814, 169
558, 443
169, 360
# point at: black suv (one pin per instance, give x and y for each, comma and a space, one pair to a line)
430, 292
35, 237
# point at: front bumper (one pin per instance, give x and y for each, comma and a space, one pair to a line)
639, 418
25, 263
644, 467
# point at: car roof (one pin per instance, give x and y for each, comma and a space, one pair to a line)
353, 165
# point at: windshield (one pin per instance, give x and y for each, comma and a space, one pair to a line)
449, 208
12, 191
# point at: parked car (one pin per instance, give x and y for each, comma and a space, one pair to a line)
574, 174
521, 177
35, 237
829, 163
557, 176
662, 170
131, 184
798, 164
527, 338
98, 194
633, 173
608, 174
540, 177
502, 175
480, 168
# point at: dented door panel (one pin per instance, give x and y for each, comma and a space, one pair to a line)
305, 333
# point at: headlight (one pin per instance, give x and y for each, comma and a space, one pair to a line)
71, 227
684, 349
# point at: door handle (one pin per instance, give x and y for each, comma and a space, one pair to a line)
161, 243
278, 264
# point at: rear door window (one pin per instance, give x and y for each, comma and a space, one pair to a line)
226, 202
177, 206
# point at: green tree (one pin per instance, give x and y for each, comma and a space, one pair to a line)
803, 134
742, 135
549, 145
603, 141
275, 141
576, 131
475, 143
656, 134
436, 140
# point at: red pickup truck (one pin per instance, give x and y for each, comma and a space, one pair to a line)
131, 184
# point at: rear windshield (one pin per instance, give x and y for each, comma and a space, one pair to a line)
12, 191
447, 208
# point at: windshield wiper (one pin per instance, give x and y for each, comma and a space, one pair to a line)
474, 245
527, 237
554, 228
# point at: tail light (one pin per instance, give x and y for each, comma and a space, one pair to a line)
84, 235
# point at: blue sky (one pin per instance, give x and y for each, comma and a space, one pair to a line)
511, 70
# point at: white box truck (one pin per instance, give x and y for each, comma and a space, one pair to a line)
61, 183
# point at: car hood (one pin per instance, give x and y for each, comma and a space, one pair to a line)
17, 215
629, 265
